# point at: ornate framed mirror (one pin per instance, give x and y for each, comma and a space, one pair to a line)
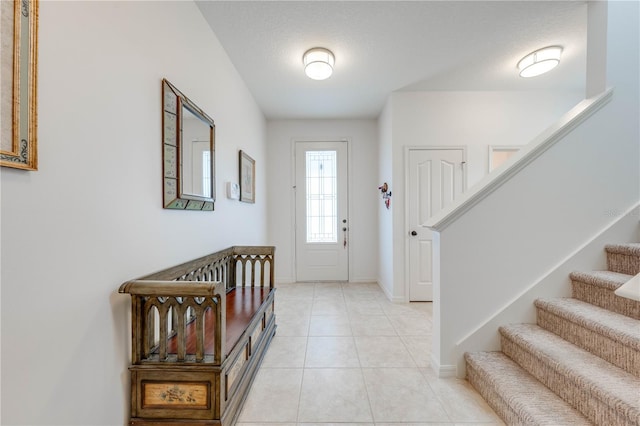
188, 155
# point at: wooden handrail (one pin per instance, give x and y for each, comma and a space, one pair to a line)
172, 288
266, 250
175, 272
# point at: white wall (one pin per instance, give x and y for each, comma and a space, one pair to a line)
364, 196
474, 120
92, 216
550, 209
385, 223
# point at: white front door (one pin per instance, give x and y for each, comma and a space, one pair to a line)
322, 228
435, 179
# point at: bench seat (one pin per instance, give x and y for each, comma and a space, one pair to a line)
242, 305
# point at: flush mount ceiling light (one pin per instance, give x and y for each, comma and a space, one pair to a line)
318, 63
540, 61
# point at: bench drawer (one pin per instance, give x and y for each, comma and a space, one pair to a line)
234, 373
255, 336
269, 312
175, 394
260, 327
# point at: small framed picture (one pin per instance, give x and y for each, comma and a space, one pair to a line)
498, 154
247, 178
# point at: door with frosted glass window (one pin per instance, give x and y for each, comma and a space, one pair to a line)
322, 228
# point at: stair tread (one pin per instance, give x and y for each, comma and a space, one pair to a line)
608, 279
631, 249
621, 328
607, 382
523, 392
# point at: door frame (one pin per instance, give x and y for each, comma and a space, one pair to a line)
294, 226
407, 150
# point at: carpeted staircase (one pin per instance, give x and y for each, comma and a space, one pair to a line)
580, 364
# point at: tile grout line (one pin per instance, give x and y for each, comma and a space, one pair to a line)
366, 388
364, 382
304, 361
360, 369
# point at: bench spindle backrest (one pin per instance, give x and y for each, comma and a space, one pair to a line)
163, 304
254, 266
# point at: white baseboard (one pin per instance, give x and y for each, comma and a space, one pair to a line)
391, 297
290, 280
363, 280
443, 371
384, 290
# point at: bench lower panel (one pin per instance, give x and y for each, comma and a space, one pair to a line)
200, 394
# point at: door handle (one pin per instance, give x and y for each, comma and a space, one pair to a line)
414, 233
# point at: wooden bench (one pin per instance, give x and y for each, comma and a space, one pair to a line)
199, 333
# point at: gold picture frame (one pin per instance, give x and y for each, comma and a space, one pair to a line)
247, 178
18, 88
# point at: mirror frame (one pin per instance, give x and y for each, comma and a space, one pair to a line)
173, 102
21, 102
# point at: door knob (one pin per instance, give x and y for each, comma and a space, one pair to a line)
414, 233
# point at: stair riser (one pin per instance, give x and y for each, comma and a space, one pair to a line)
623, 263
575, 394
484, 388
605, 298
606, 348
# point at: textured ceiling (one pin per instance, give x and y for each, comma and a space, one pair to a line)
386, 46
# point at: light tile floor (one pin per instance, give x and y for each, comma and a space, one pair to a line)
343, 354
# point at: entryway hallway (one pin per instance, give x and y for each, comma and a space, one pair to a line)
344, 354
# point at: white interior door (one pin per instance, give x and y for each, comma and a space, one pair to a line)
322, 228
435, 179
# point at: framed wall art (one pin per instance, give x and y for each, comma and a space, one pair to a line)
247, 178
18, 69
498, 154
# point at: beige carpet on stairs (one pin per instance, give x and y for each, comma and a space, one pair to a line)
580, 364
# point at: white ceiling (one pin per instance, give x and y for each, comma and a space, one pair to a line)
386, 46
